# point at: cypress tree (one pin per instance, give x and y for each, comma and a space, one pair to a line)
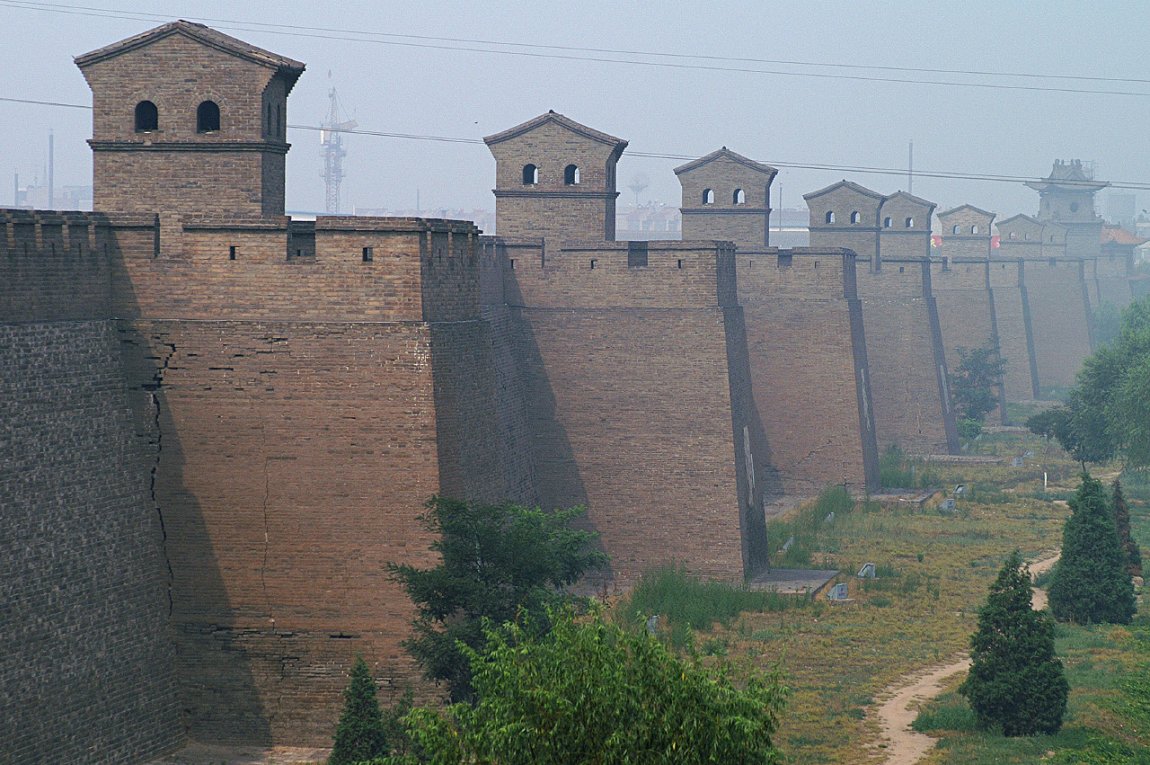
359, 736
1125, 539
1015, 682
1091, 583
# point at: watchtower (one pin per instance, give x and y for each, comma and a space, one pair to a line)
1066, 197
846, 214
555, 178
186, 119
727, 196
966, 232
904, 221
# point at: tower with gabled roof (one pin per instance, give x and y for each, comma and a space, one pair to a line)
555, 178
188, 120
727, 196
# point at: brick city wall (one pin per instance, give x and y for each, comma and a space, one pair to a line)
638, 394
87, 670
1060, 319
1015, 336
1113, 274
905, 353
808, 367
961, 288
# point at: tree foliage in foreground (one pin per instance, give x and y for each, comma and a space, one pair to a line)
360, 734
1091, 583
1105, 412
1016, 683
974, 386
497, 562
590, 692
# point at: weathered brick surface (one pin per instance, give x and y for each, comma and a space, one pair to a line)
1060, 319
966, 314
905, 353
87, 671
638, 394
808, 367
1015, 336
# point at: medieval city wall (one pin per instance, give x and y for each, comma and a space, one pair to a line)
88, 660
1060, 319
808, 367
638, 392
1015, 337
961, 288
1113, 274
905, 353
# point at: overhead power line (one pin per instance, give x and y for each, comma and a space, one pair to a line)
597, 55
862, 169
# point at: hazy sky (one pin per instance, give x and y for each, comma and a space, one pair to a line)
696, 102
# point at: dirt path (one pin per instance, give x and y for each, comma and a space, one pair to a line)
905, 746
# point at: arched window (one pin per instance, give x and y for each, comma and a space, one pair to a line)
954, 229
147, 117
1026, 237
974, 229
887, 222
571, 175
856, 217
739, 197
1012, 235
830, 216
530, 175
708, 196
908, 223
207, 117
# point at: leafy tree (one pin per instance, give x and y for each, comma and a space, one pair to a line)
1105, 412
1125, 539
1107, 324
360, 734
975, 383
497, 561
1015, 682
590, 692
1091, 582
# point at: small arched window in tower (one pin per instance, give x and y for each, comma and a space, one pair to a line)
208, 117
856, 216
708, 196
147, 117
954, 229
1012, 235
571, 175
1026, 237
268, 121
739, 197
974, 229
830, 216
530, 175
887, 222
908, 223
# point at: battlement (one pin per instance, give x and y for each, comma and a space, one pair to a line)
950, 273
899, 277
662, 274
808, 273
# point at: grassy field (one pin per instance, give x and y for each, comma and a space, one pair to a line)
933, 572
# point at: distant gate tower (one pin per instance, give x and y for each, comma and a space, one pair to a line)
1066, 197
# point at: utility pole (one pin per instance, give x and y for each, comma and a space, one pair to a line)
910, 170
51, 171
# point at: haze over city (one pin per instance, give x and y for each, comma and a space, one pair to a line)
862, 82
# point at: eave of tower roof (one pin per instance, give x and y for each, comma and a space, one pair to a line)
985, 213
848, 184
910, 198
561, 120
728, 154
212, 38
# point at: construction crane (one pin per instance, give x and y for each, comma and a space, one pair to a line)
331, 139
